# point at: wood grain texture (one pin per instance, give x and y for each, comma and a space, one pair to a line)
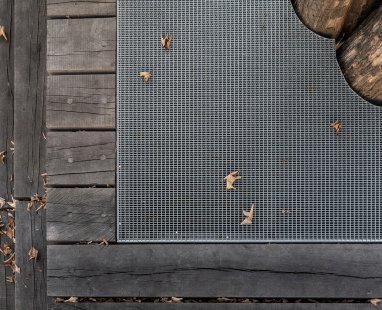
210, 306
81, 214
29, 96
325, 17
7, 289
81, 45
289, 271
361, 58
76, 8
30, 290
81, 101
80, 158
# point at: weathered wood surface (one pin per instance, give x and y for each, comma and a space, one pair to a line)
361, 57
211, 306
30, 290
80, 158
332, 17
290, 271
29, 84
6, 136
81, 45
81, 101
81, 214
65, 8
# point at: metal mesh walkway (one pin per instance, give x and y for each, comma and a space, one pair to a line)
245, 86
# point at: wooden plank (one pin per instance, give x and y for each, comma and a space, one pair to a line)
80, 158
30, 290
211, 306
81, 101
7, 289
83, 8
76, 214
90, 50
29, 83
235, 270
361, 58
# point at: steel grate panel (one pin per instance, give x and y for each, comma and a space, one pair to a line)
245, 86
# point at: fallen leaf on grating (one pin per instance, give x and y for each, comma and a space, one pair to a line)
3, 156
166, 41
33, 254
6, 249
71, 300
231, 179
146, 76
375, 301
337, 125
2, 33
248, 216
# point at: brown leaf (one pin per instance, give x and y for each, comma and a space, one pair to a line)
71, 300
12, 203
3, 156
375, 301
337, 125
146, 76
11, 263
2, 33
231, 179
2, 202
248, 216
10, 227
176, 299
166, 41
58, 299
6, 249
11, 279
33, 254
37, 198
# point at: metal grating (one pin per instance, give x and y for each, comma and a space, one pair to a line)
245, 86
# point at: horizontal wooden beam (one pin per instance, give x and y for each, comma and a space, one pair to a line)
81, 214
81, 45
80, 158
80, 101
83, 8
211, 306
234, 270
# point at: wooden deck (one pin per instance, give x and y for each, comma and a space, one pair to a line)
74, 143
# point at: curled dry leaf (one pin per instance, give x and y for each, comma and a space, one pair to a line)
3, 156
375, 301
146, 76
2, 202
71, 300
33, 253
12, 203
166, 41
248, 216
11, 263
337, 125
37, 198
231, 179
2, 33
10, 227
6, 249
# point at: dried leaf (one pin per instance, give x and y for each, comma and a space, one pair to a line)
146, 76
58, 299
12, 203
231, 179
2, 202
176, 299
11, 279
44, 177
6, 249
10, 227
375, 301
248, 216
166, 41
33, 254
2, 33
3, 156
37, 198
71, 300
337, 125
11, 263
104, 242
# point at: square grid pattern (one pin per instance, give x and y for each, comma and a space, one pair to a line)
245, 86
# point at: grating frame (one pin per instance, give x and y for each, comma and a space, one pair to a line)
245, 86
